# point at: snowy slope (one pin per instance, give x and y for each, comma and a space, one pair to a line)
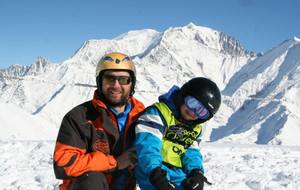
16, 124
264, 98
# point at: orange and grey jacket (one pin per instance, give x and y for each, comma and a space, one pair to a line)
89, 140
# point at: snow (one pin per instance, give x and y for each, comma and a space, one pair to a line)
253, 167
20, 125
27, 165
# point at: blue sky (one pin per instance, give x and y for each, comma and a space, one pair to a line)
55, 29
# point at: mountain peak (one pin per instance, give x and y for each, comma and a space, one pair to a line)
296, 39
232, 46
193, 26
211, 38
190, 25
14, 70
38, 67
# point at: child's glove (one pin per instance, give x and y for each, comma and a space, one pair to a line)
195, 180
159, 180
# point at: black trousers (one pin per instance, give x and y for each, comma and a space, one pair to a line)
90, 181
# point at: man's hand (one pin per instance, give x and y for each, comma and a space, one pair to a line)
127, 159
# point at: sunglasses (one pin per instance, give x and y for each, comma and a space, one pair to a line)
196, 107
123, 80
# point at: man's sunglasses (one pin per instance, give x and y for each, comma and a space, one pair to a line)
123, 80
196, 107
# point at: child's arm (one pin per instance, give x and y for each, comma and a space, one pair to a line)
192, 159
149, 134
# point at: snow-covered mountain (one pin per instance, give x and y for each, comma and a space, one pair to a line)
264, 99
259, 92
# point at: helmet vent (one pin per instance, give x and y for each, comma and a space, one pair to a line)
126, 59
107, 58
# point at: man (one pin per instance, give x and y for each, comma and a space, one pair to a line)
94, 143
168, 133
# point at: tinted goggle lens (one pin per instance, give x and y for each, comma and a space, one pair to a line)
123, 80
196, 107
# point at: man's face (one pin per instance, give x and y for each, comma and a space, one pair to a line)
116, 86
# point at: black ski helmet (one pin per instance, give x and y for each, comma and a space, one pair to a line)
204, 90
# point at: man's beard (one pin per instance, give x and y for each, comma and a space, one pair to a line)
122, 101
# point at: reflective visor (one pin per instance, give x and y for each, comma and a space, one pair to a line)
196, 107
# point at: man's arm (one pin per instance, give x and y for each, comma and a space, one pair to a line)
71, 158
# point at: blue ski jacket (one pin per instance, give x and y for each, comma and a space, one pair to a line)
164, 141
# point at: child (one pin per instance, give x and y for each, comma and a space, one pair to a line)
167, 137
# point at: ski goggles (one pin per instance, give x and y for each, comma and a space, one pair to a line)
196, 107
123, 80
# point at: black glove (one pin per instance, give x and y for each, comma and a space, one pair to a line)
158, 178
195, 180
